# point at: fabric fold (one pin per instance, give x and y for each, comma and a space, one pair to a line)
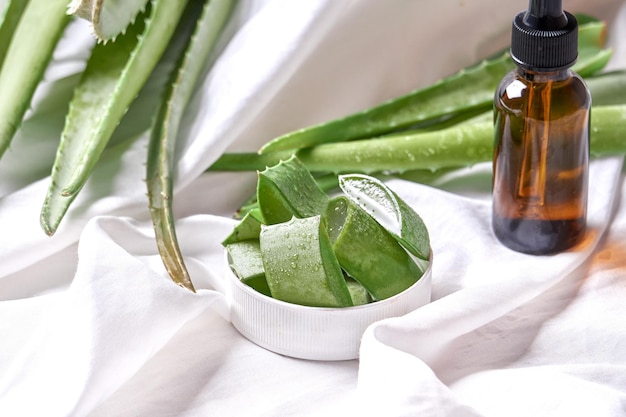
498, 299
115, 316
92, 326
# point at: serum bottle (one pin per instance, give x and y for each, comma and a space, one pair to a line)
541, 152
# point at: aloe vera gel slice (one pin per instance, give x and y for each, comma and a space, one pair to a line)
245, 259
248, 228
300, 265
358, 293
382, 204
288, 189
367, 252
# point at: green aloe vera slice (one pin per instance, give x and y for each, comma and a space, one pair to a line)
300, 265
108, 17
247, 262
248, 228
367, 252
288, 189
36, 30
358, 292
115, 73
397, 217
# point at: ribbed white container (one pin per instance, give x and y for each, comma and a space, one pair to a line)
316, 333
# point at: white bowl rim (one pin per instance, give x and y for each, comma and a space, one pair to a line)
251, 291
315, 333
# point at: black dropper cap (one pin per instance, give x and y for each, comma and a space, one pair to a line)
544, 38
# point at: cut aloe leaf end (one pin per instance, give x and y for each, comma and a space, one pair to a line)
383, 205
247, 263
358, 293
368, 252
248, 228
288, 189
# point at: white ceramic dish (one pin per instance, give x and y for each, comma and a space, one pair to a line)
315, 333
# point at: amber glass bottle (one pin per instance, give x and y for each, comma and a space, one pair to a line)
541, 154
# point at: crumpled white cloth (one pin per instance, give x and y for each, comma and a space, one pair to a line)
509, 334
92, 326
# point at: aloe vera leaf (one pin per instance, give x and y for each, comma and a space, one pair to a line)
288, 189
608, 124
367, 252
458, 96
249, 161
591, 55
108, 17
460, 93
162, 146
459, 146
594, 63
29, 51
115, 73
9, 20
300, 265
606, 89
389, 210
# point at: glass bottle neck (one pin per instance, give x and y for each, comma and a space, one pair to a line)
544, 76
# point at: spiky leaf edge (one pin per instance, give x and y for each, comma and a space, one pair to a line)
77, 156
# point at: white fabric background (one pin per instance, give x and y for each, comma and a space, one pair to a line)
90, 324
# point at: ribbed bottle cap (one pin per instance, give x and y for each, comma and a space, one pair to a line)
544, 37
